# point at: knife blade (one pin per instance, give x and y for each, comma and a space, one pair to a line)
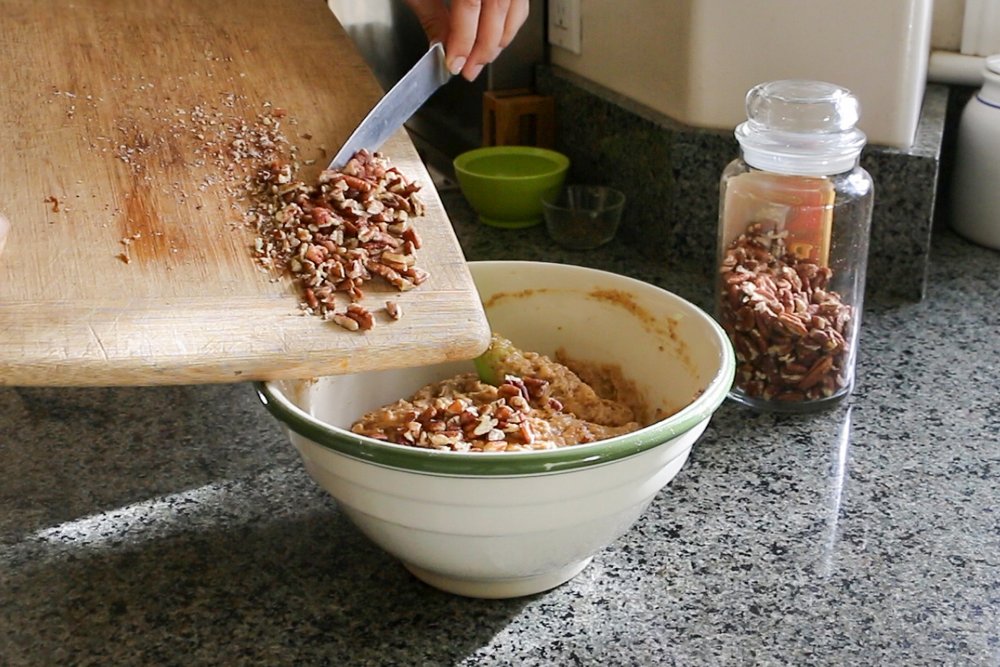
396, 107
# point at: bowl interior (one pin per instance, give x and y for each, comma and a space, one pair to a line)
677, 356
586, 199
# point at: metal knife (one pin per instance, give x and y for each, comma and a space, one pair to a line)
396, 107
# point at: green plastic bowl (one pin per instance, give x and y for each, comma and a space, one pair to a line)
505, 184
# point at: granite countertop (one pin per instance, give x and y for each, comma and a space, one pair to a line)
175, 525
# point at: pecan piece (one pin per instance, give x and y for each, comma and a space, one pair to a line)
816, 373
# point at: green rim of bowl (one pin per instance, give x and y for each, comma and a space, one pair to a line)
559, 161
439, 462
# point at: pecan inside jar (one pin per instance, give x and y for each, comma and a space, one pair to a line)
791, 332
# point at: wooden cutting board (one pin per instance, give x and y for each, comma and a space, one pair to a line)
116, 118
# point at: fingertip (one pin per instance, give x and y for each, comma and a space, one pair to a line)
455, 65
470, 73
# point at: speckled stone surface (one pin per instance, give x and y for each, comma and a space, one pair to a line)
176, 526
670, 173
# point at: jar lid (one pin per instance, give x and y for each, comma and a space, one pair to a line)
990, 92
992, 63
801, 127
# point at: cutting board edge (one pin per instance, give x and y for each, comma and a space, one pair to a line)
136, 371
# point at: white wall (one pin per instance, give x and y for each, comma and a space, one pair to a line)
946, 30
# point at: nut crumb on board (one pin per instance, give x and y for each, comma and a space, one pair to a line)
351, 226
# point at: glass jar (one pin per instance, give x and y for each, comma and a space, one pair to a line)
794, 218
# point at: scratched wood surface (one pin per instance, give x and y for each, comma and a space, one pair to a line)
104, 110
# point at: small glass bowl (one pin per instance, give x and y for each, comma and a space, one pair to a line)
583, 217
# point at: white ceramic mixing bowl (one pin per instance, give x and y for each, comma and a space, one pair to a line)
515, 523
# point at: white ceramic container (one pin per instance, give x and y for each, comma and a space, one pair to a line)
975, 195
694, 60
509, 524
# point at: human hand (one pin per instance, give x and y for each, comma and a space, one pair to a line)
473, 32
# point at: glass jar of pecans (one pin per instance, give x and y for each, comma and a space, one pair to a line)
794, 216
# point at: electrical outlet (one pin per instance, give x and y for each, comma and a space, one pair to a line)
565, 24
